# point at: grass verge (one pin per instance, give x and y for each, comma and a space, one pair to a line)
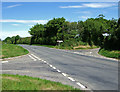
11, 50
17, 82
110, 54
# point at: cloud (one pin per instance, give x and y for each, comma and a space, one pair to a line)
91, 5
84, 17
11, 6
15, 24
24, 21
71, 6
99, 5
14, 33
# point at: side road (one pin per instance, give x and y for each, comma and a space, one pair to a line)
92, 52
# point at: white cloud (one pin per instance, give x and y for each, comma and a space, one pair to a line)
99, 5
71, 6
25, 21
91, 5
15, 24
84, 17
11, 6
14, 33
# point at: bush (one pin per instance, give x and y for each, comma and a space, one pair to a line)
111, 54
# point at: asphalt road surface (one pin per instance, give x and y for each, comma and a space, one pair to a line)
66, 67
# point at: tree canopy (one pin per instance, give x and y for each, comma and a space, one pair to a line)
90, 31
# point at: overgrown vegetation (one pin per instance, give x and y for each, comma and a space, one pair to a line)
79, 34
17, 82
11, 50
110, 54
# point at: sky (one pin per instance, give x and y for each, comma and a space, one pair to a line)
19, 17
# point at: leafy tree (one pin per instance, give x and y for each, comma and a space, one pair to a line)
89, 31
17, 38
7, 40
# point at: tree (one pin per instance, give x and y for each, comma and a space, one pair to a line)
16, 38
53, 29
7, 40
101, 16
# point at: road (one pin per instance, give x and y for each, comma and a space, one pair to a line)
93, 72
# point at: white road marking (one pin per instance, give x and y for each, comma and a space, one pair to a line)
71, 79
44, 61
59, 71
32, 57
50, 65
47, 63
36, 57
90, 52
79, 84
76, 52
64, 74
4, 61
14, 71
54, 67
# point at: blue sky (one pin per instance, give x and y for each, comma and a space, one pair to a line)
18, 17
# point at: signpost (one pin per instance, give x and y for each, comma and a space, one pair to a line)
59, 41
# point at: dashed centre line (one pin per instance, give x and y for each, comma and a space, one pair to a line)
71, 79
54, 67
58, 71
64, 74
50, 65
79, 84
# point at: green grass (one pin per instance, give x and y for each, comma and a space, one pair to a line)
110, 54
17, 82
11, 50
